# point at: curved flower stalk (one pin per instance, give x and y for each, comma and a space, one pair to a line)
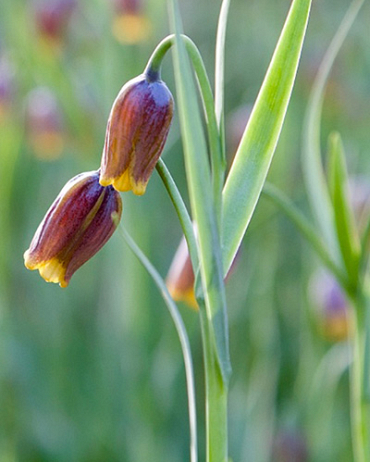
136, 132
78, 223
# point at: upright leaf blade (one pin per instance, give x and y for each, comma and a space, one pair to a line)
312, 164
201, 197
254, 154
220, 63
348, 237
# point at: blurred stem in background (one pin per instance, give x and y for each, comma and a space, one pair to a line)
337, 240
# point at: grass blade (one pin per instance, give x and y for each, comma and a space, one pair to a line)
347, 233
312, 164
201, 197
254, 154
220, 65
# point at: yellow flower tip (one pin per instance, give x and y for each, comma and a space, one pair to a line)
131, 28
53, 271
27, 261
186, 296
105, 181
138, 188
123, 182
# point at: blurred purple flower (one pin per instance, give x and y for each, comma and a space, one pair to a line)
130, 24
44, 125
331, 306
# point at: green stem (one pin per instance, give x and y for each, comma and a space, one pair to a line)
216, 390
182, 212
152, 70
358, 405
183, 337
216, 399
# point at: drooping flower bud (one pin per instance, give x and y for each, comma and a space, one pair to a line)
137, 130
180, 278
77, 225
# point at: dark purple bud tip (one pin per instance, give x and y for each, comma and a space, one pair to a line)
137, 130
78, 223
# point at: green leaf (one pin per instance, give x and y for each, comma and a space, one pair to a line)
254, 154
220, 64
312, 164
201, 197
348, 237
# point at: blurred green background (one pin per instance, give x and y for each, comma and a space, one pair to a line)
94, 372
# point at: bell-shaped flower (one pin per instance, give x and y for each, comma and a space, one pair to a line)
78, 223
137, 130
180, 277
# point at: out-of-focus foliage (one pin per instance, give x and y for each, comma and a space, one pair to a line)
94, 372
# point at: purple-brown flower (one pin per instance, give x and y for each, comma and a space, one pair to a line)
137, 130
180, 277
78, 223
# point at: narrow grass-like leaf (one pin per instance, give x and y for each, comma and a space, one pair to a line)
201, 197
220, 65
183, 337
347, 233
254, 154
312, 163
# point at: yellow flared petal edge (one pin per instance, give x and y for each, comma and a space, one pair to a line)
51, 270
124, 183
186, 296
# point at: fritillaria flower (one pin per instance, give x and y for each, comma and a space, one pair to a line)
7, 75
52, 18
137, 130
180, 278
44, 124
130, 24
79, 222
290, 444
331, 305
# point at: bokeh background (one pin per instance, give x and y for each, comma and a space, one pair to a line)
94, 372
